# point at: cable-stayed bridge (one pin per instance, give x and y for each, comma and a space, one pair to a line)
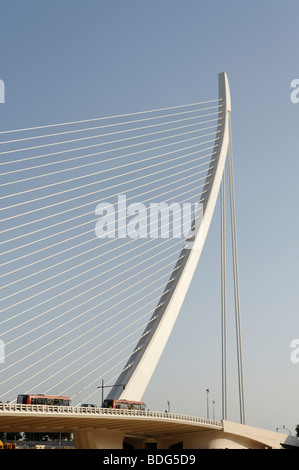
103, 222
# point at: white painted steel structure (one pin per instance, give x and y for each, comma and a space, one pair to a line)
141, 365
41, 355
105, 426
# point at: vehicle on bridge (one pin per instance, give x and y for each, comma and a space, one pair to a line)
124, 404
43, 400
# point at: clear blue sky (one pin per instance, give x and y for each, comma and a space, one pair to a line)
73, 60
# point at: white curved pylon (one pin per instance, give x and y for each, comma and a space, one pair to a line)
143, 361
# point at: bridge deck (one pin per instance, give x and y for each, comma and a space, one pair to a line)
59, 418
139, 424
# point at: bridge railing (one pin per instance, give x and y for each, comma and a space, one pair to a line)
11, 407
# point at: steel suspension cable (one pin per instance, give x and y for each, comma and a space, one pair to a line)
87, 146
88, 222
73, 158
20, 313
94, 192
110, 125
106, 291
108, 117
83, 166
236, 280
86, 176
83, 243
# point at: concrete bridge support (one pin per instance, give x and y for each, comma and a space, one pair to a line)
101, 439
209, 439
98, 439
231, 436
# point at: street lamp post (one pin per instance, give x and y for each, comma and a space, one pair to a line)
109, 386
283, 427
213, 409
207, 390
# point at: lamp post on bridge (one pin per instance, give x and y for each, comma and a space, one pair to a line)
213, 409
109, 386
207, 390
283, 427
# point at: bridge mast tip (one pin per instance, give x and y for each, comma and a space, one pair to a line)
224, 90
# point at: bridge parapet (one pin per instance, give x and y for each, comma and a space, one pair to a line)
77, 410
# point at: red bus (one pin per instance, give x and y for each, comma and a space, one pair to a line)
43, 400
124, 405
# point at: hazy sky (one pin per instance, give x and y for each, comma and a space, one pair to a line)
74, 60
